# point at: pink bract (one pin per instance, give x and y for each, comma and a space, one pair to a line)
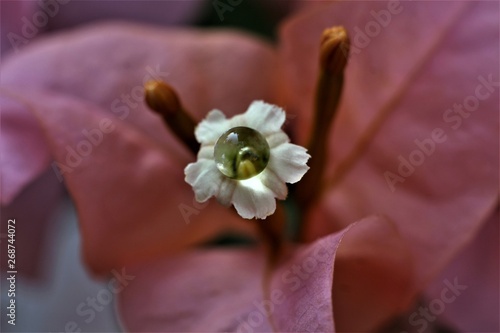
397, 149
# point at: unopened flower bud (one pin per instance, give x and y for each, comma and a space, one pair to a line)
334, 50
162, 98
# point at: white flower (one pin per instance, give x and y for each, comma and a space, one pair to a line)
246, 160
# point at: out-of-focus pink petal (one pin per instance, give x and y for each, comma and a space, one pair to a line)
25, 155
363, 275
33, 211
374, 276
222, 290
428, 58
151, 11
14, 30
471, 303
23, 20
130, 193
372, 281
107, 64
204, 290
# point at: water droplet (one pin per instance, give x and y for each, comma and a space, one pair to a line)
241, 153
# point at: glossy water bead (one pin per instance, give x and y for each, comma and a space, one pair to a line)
241, 153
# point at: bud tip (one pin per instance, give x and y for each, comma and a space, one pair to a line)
334, 49
161, 97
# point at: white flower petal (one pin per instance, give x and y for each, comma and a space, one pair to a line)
271, 180
212, 127
206, 152
263, 117
226, 191
288, 161
238, 120
253, 200
277, 139
204, 177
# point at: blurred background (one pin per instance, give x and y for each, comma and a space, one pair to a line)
54, 292
30, 18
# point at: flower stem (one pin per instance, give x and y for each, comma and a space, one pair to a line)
272, 234
162, 98
334, 52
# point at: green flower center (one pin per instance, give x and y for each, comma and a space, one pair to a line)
241, 153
